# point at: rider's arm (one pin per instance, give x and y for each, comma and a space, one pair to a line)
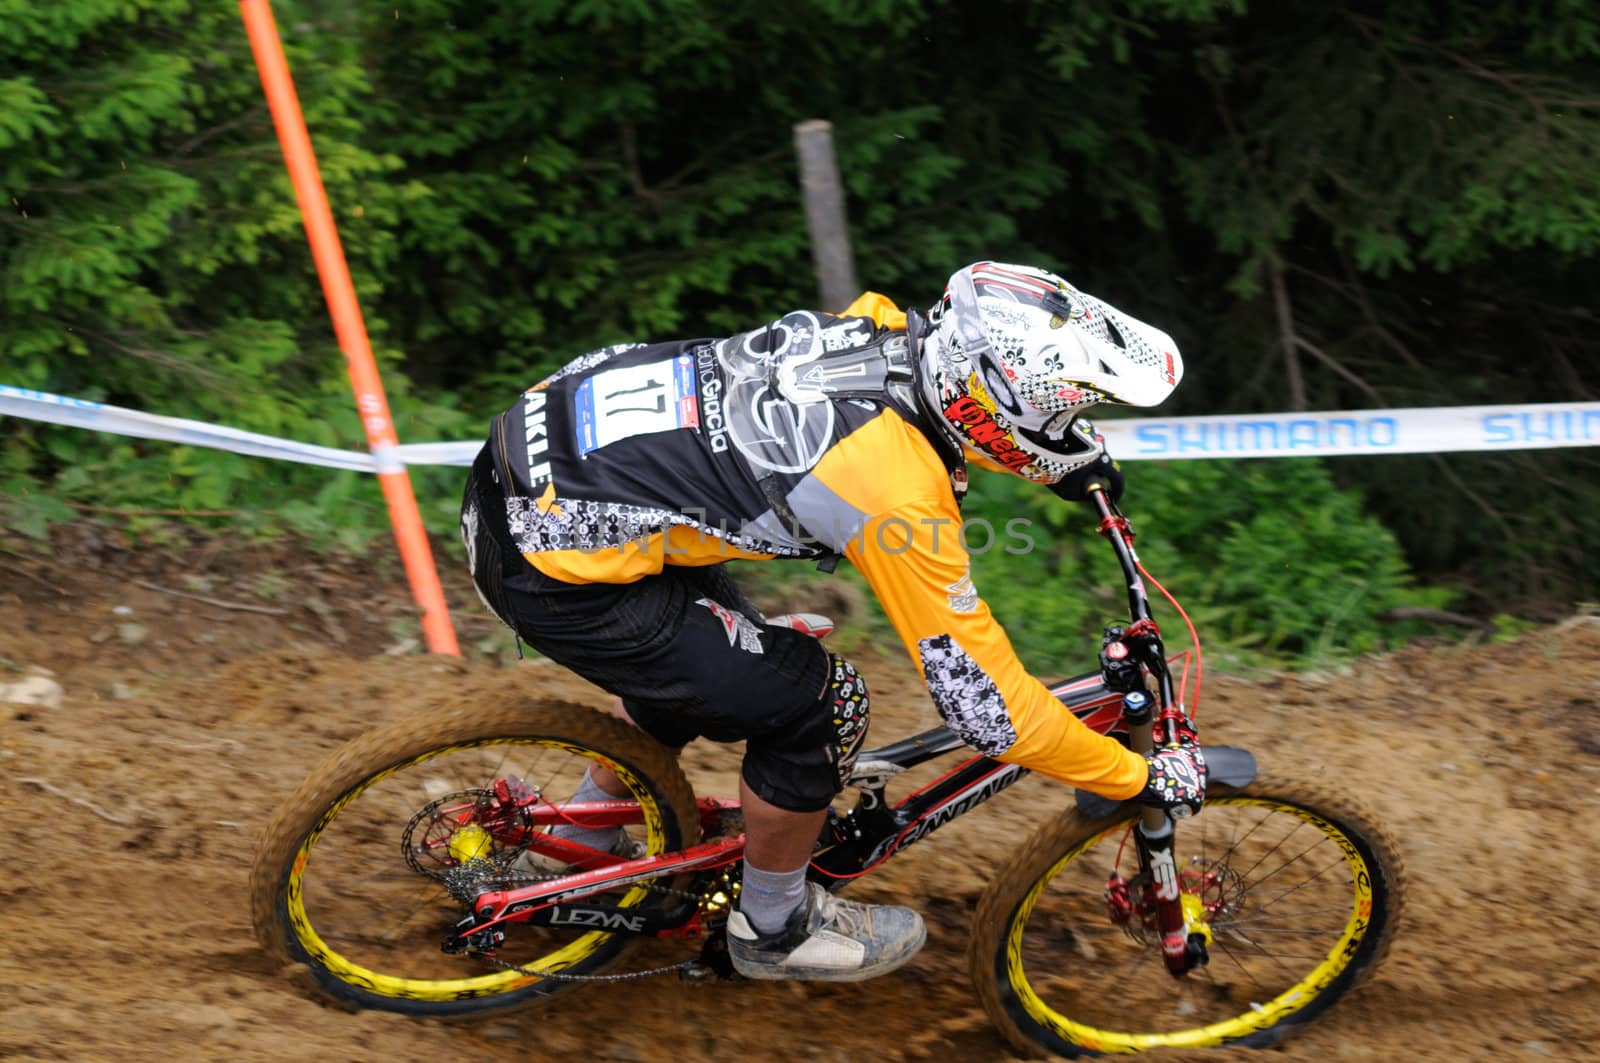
915, 561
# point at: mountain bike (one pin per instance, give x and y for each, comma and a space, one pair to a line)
415, 870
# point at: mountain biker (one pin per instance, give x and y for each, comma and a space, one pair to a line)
598, 514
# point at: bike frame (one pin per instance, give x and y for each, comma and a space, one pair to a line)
856, 842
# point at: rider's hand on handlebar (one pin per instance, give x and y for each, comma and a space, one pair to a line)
1074, 487
1177, 779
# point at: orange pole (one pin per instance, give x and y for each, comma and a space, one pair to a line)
348, 325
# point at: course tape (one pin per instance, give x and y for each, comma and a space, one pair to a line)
1423, 430
81, 413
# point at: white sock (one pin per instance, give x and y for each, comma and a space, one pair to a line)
602, 838
768, 898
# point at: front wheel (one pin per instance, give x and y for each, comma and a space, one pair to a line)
360, 873
1295, 889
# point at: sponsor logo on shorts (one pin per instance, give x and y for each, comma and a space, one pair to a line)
740, 628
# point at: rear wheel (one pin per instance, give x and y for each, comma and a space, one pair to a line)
354, 875
1297, 890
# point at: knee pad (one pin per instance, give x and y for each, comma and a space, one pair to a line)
849, 707
801, 762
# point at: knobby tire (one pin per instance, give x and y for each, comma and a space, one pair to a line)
1035, 1027
287, 846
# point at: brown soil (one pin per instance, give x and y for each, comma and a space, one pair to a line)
128, 816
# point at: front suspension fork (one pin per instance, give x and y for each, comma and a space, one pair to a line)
1154, 837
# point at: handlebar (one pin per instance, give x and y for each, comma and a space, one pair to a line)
1112, 520
1146, 730
1097, 492
1145, 634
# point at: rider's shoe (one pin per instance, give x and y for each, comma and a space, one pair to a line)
814, 624
828, 940
627, 847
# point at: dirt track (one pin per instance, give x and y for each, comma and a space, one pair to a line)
128, 813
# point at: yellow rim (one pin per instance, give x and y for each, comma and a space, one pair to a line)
1260, 1016
572, 953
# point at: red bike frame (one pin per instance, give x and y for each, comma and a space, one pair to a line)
858, 841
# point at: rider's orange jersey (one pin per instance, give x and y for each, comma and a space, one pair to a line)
912, 555
870, 487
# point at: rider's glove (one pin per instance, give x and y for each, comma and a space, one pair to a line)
1074, 486
1177, 779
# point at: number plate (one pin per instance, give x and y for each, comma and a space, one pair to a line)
637, 400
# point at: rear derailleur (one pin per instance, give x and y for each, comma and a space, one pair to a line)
464, 939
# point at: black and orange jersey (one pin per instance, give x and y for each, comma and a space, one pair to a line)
694, 452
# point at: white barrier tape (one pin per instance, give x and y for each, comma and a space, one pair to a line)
1424, 430
439, 453
81, 413
387, 459
1408, 431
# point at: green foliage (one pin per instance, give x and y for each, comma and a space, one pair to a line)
1271, 560
589, 181
154, 255
1274, 564
1330, 206
1414, 138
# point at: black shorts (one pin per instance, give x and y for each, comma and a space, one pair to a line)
687, 653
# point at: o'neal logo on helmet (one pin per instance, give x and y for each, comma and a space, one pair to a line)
978, 425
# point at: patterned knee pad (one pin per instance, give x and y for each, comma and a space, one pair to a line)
847, 701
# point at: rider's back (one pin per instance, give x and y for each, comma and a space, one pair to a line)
696, 451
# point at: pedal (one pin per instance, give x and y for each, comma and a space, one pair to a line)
713, 965
730, 822
696, 973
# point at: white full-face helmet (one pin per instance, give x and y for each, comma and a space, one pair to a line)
1012, 355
